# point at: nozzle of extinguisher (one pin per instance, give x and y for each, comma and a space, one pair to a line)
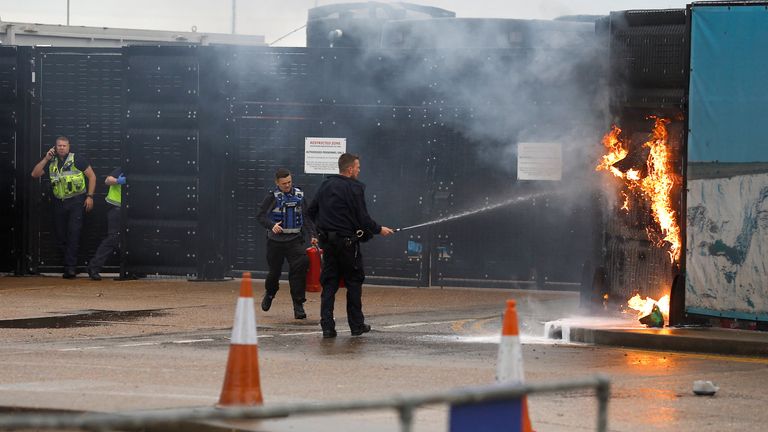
397, 229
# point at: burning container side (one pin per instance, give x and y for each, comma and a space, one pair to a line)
647, 55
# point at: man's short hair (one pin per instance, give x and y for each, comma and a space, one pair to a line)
281, 173
62, 138
347, 160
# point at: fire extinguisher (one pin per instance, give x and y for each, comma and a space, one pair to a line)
315, 255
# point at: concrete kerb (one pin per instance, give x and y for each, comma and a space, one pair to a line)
699, 340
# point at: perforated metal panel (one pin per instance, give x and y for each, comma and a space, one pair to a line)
161, 160
649, 56
78, 94
9, 163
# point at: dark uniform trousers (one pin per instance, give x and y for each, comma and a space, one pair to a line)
342, 259
67, 224
294, 252
110, 242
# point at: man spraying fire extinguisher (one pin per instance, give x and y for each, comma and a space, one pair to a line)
282, 213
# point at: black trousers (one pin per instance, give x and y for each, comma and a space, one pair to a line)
67, 224
110, 243
342, 261
298, 262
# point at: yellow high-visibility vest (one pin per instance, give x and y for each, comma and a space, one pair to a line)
67, 181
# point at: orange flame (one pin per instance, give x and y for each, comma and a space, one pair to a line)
645, 307
656, 187
616, 152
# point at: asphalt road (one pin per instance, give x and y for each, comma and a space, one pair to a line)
424, 340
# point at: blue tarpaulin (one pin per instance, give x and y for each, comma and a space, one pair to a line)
727, 199
728, 114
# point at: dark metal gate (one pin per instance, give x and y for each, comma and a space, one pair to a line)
10, 113
162, 158
76, 93
200, 131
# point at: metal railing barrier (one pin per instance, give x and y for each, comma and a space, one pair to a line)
405, 406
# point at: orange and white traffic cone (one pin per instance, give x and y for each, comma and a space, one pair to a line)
242, 385
509, 368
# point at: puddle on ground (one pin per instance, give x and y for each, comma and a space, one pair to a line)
86, 318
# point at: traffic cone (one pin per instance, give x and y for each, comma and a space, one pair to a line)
241, 383
509, 368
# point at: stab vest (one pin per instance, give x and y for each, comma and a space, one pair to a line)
288, 210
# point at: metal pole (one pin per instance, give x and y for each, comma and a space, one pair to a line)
603, 395
234, 15
67, 12
406, 418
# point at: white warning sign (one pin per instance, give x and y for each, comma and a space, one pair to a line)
539, 161
321, 155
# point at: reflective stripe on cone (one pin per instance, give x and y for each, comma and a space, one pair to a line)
509, 367
242, 385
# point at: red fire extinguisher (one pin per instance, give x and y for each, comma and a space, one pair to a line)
315, 255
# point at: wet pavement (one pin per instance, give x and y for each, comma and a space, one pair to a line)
423, 340
80, 319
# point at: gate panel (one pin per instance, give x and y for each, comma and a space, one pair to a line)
10, 229
161, 161
79, 96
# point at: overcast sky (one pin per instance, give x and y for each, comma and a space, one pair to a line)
275, 18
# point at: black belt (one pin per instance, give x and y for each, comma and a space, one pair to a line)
335, 237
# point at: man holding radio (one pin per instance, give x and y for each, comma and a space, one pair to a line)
72, 196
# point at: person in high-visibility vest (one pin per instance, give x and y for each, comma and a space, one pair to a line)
115, 180
72, 196
281, 212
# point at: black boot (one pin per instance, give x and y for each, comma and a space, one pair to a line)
94, 275
266, 302
298, 310
329, 329
357, 331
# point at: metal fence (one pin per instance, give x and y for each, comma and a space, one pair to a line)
404, 405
